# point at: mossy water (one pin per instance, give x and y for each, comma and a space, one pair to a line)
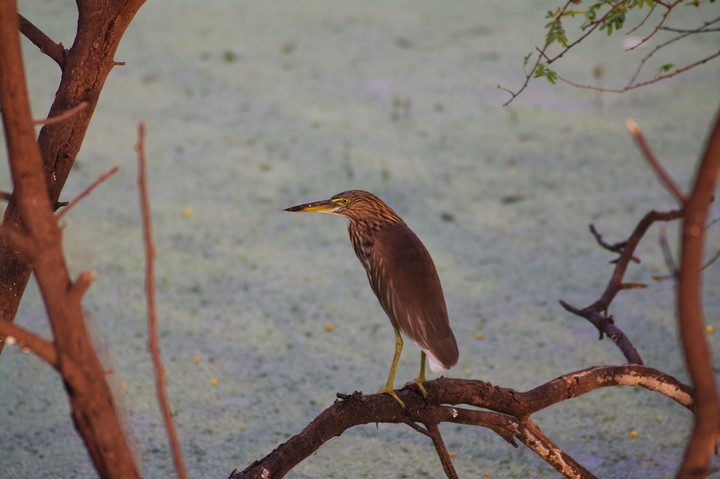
257, 106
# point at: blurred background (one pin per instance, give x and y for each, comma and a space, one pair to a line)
252, 107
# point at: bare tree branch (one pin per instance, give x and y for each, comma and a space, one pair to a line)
87, 191
667, 254
56, 51
91, 401
62, 116
596, 313
153, 342
664, 177
440, 448
508, 414
690, 313
635, 86
40, 346
85, 68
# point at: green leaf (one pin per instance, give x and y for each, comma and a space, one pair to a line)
542, 70
665, 68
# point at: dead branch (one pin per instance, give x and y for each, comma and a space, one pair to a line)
45, 350
61, 117
664, 177
153, 342
690, 313
39, 346
56, 51
85, 68
615, 248
91, 401
667, 255
81, 285
87, 191
506, 412
596, 313
440, 448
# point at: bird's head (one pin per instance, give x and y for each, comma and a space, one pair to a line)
353, 204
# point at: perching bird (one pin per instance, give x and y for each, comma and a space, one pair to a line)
402, 275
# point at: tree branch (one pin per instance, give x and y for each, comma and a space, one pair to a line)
40, 346
56, 51
87, 191
690, 313
664, 177
91, 401
596, 313
153, 342
440, 448
510, 416
62, 116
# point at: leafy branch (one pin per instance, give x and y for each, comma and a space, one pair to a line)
611, 17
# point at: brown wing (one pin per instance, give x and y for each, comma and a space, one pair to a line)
403, 276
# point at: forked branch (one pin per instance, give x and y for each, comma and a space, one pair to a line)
505, 411
596, 312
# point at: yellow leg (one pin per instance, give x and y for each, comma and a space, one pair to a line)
421, 377
389, 389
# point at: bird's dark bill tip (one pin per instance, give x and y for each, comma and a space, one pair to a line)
295, 208
319, 206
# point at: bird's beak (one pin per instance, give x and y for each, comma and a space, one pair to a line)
324, 206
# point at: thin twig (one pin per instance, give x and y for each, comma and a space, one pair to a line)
589, 28
615, 248
153, 343
63, 116
667, 254
714, 258
702, 29
417, 427
635, 86
87, 191
668, 10
640, 24
652, 160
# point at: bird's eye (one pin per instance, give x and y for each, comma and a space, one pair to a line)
341, 201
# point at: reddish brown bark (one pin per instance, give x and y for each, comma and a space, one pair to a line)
85, 67
690, 313
32, 237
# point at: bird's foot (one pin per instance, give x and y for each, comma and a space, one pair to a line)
419, 383
390, 392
